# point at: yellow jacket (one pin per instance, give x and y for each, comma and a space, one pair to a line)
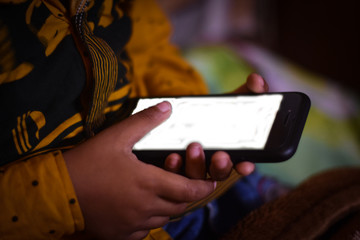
37, 197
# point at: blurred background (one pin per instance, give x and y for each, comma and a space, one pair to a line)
310, 46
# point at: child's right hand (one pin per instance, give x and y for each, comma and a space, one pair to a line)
120, 196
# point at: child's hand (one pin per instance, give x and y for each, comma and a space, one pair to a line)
221, 165
120, 196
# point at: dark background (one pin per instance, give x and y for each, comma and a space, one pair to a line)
322, 36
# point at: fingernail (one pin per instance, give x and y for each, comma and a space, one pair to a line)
260, 80
173, 163
264, 84
215, 183
249, 168
196, 151
164, 106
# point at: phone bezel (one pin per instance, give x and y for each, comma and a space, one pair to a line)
290, 120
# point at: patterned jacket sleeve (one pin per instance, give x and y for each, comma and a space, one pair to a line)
38, 200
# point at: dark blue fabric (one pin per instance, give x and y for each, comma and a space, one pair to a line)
235, 204
189, 227
223, 213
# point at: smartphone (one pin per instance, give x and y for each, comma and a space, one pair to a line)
255, 127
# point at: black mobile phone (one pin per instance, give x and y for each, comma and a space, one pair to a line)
255, 127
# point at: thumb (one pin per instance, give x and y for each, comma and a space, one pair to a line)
139, 124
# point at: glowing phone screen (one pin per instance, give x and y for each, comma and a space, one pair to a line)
237, 122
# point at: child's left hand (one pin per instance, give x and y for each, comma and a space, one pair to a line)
221, 164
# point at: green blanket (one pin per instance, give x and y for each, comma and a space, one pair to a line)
331, 137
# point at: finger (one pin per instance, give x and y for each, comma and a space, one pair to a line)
169, 208
195, 166
179, 189
173, 163
139, 124
220, 166
137, 235
190, 190
165, 207
245, 168
155, 222
254, 84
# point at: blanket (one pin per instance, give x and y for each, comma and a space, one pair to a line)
326, 206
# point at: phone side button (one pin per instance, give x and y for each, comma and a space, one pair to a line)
288, 117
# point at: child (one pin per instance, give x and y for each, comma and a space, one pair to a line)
67, 68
